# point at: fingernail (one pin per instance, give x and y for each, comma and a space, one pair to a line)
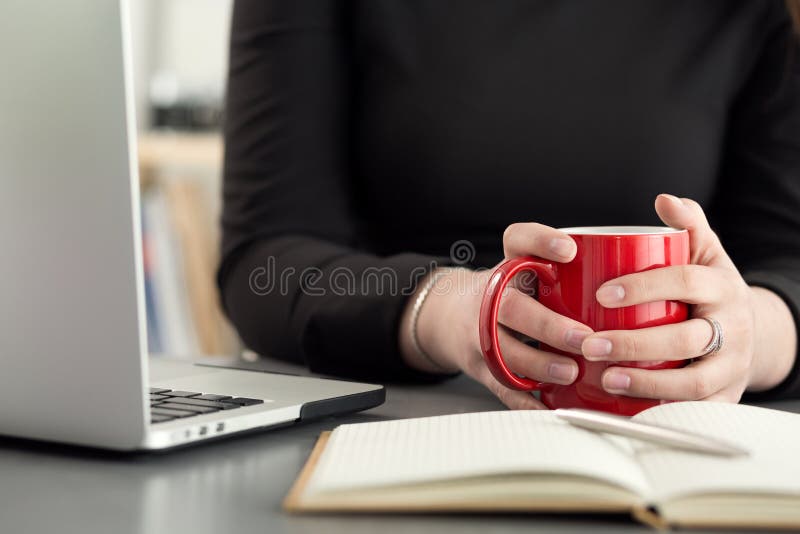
596, 348
562, 372
610, 294
575, 337
615, 382
675, 200
562, 247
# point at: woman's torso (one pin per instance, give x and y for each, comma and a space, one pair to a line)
471, 115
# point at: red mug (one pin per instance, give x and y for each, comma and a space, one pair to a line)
604, 253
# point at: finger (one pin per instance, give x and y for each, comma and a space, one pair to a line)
679, 341
536, 364
528, 316
694, 284
705, 246
512, 398
696, 381
525, 239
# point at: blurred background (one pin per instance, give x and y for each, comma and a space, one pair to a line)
180, 62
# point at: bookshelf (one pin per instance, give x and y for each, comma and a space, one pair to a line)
180, 180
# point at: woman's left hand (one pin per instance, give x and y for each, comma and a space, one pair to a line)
714, 288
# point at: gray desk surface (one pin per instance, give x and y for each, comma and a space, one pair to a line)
234, 485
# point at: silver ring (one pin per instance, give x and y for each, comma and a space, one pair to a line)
715, 344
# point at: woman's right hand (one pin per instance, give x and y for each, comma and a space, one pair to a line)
447, 327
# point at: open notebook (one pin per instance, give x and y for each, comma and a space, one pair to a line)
532, 461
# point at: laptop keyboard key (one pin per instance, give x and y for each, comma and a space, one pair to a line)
212, 397
186, 407
154, 418
244, 401
159, 390
182, 394
158, 410
194, 401
154, 397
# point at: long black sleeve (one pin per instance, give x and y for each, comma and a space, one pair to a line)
288, 215
757, 209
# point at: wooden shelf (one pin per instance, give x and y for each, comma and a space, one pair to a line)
160, 151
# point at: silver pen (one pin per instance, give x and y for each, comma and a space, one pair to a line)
662, 435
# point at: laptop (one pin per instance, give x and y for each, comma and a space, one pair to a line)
74, 366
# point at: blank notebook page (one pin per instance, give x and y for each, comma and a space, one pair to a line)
773, 437
450, 447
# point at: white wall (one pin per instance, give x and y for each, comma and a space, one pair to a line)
185, 41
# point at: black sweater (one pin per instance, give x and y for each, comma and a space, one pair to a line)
364, 135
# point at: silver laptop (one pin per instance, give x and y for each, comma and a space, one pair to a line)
73, 362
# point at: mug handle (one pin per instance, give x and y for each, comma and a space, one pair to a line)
490, 305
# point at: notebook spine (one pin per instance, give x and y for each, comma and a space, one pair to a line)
648, 515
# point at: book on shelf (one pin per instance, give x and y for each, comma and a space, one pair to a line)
165, 282
189, 218
184, 314
154, 343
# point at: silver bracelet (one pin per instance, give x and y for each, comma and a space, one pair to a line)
423, 295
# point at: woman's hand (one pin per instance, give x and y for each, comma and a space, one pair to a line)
714, 288
447, 327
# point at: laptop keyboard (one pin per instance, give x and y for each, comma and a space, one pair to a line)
167, 404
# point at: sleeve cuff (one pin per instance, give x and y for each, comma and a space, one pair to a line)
334, 340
